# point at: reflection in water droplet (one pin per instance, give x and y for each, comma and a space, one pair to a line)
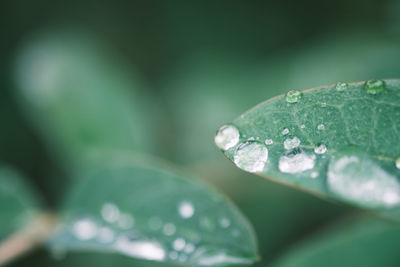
227, 137
293, 96
285, 131
251, 156
179, 244
291, 143
361, 180
169, 229
186, 209
398, 163
314, 175
341, 86
224, 222
105, 235
125, 221
85, 229
296, 161
320, 149
374, 87
269, 141
110, 212
321, 127
149, 250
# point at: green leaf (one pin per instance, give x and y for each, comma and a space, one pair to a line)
353, 242
147, 210
18, 203
337, 141
82, 98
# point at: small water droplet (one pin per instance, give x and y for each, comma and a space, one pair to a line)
224, 222
189, 248
169, 229
85, 229
296, 161
291, 143
320, 149
285, 131
302, 126
173, 255
110, 212
186, 209
374, 87
227, 137
321, 127
341, 86
251, 156
293, 96
398, 163
105, 235
125, 221
359, 179
314, 175
269, 141
179, 244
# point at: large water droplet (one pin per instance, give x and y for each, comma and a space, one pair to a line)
186, 209
293, 96
374, 86
296, 161
291, 143
359, 179
251, 156
341, 86
320, 149
227, 137
149, 250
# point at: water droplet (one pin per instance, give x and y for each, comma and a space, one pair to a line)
285, 131
251, 156
85, 229
179, 244
224, 222
296, 161
374, 87
341, 86
125, 221
293, 96
189, 248
269, 141
320, 149
359, 179
323, 104
227, 137
105, 235
314, 175
169, 229
291, 143
149, 250
110, 212
398, 163
302, 126
321, 127
173, 255
186, 209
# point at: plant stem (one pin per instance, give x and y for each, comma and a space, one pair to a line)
27, 239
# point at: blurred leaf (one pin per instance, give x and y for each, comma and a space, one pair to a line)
81, 97
337, 141
356, 242
19, 204
146, 210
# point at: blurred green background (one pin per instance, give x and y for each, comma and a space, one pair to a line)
200, 64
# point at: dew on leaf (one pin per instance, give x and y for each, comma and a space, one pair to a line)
105, 235
341, 86
320, 149
179, 244
125, 221
314, 175
374, 87
302, 126
169, 229
321, 127
359, 179
291, 143
251, 156
186, 209
293, 96
189, 248
85, 229
110, 212
296, 161
227, 137
285, 131
269, 141
224, 222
